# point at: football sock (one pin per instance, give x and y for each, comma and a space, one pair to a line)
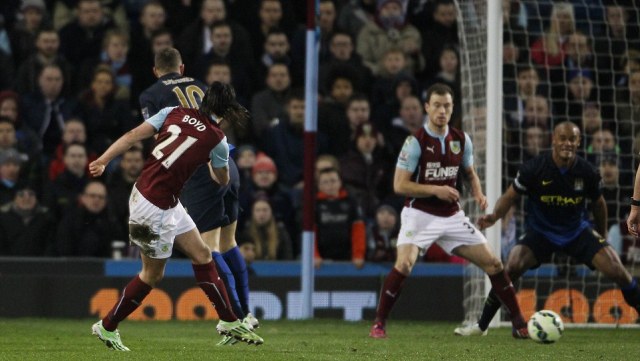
132, 296
389, 294
491, 306
213, 287
229, 282
506, 293
631, 294
239, 268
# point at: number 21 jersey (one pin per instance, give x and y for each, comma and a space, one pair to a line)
186, 139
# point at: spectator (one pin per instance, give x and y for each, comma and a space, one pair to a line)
248, 249
580, 90
23, 37
64, 190
526, 86
26, 227
115, 48
393, 63
411, 119
31, 169
268, 105
449, 74
270, 15
47, 109
615, 195
386, 109
87, 229
354, 14
270, 237
106, 117
195, 40
152, 18
340, 124
27, 139
222, 50
245, 160
276, 50
340, 230
284, 142
63, 12
264, 180
74, 132
548, 50
11, 162
383, 235
365, 170
444, 28
47, 44
537, 112
325, 161
342, 54
390, 30
627, 110
82, 38
121, 182
578, 52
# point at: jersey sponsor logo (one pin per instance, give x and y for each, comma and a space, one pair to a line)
558, 200
201, 127
441, 173
578, 184
455, 146
547, 182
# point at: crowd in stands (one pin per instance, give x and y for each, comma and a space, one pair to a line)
71, 72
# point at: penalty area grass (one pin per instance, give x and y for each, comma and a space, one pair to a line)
63, 339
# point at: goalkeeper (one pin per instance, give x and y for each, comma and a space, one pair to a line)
557, 185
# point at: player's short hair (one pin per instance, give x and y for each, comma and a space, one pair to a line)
220, 99
440, 89
168, 59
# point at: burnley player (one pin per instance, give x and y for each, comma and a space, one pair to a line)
213, 207
426, 174
557, 186
186, 139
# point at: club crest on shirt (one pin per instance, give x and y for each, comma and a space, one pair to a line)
454, 146
578, 184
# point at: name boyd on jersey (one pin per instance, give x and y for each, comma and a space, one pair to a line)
435, 171
195, 122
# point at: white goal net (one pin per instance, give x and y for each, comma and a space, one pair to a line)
577, 60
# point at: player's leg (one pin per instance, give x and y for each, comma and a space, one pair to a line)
392, 287
520, 260
132, 296
463, 239
608, 262
212, 240
237, 265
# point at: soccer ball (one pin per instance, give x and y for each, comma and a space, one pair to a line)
545, 326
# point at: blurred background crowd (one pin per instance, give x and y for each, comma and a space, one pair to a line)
71, 72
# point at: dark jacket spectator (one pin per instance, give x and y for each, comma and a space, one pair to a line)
26, 227
271, 239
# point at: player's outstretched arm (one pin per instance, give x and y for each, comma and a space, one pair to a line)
476, 188
504, 203
143, 131
633, 221
403, 185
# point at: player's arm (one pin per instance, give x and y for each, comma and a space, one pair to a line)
219, 164
600, 216
143, 131
504, 203
406, 166
472, 176
633, 221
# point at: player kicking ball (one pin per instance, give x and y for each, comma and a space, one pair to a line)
187, 138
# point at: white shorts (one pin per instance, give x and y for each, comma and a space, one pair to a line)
154, 229
423, 229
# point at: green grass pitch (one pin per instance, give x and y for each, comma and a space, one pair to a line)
40, 339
